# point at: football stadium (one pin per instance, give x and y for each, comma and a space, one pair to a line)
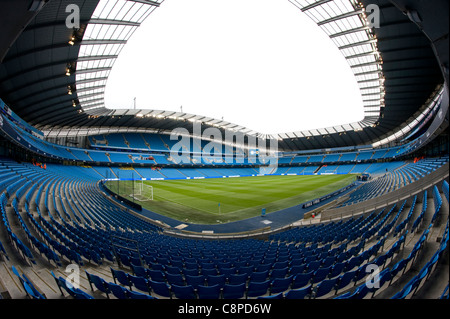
171, 206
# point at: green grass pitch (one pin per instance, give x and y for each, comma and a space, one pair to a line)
197, 200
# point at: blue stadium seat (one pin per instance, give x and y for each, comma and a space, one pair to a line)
301, 293
233, 291
321, 274
275, 296
346, 278
219, 280
259, 276
140, 271
279, 273
118, 291
138, 295
183, 292
160, 288
98, 282
209, 292
120, 276
236, 279
256, 289
301, 280
31, 291
324, 287
175, 279
281, 284
156, 275
140, 283
195, 281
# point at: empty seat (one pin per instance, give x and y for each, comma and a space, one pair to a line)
121, 276
160, 288
301, 293
324, 287
345, 279
98, 282
233, 291
259, 276
281, 284
118, 291
302, 280
256, 289
236, 279
140, 283
208, 292
183, 292
138, 295
175, 279
195, 281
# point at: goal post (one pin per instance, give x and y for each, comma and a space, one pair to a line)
142, 191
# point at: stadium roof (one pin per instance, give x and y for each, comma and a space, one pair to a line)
54, 77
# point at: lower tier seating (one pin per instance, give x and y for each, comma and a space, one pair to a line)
56, 221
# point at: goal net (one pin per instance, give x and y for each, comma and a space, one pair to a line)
142, 191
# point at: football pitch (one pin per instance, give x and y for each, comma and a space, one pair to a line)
221, 200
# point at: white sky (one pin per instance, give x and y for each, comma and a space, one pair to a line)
258, 63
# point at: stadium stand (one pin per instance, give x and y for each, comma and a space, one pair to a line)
58, 218
333, 254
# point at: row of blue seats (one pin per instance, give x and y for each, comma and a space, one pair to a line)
403, 224
332, 232
241, 286
3, 252
160, 142
67, 249
250, 270
28, 285
437, 203
163, 143
393, 180
243, 277
425, 272
417, 222
401, 267
21, 247
345, 156
50, 247
445, 189
358, 292
350, 230
108, 287
35, 243
138, 141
